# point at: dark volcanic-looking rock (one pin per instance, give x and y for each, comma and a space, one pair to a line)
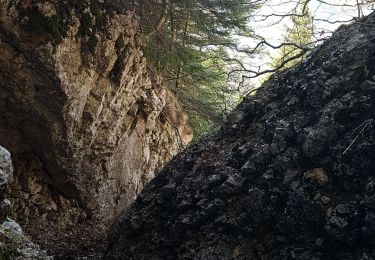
294, 179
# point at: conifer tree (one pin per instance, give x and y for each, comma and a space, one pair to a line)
187, 42
299, 33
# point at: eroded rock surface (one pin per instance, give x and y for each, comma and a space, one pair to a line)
87, 120
6, 176
13, 243
292, 179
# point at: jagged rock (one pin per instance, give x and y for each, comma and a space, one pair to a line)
86, 118
293, 180
13, 243
6, 175
17, 246
318, 175
6, 167
12, 227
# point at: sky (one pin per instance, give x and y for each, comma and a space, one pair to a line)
328, 16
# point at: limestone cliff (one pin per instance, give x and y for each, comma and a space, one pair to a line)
87, 120
291, 176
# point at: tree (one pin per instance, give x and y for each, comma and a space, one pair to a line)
300, 33
186, 41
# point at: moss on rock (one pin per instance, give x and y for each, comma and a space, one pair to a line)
32, 19
120, 43
9, 249
87, 23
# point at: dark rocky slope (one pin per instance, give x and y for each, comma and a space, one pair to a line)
291, 176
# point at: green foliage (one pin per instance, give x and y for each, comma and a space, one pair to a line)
190, 50
9, 249
200, 126
203, 93
186, 41
301, 33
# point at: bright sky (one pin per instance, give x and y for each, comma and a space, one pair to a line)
328, 15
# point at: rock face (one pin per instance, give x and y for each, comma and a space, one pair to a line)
87, 120
6, 175
13, 243
292, 179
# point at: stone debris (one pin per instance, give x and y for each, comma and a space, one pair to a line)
294, 180
317, 175
13, 243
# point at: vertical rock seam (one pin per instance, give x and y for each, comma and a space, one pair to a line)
86, 118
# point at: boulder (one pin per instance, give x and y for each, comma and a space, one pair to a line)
6, 175
6, 167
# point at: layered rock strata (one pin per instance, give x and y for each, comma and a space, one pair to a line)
86, 118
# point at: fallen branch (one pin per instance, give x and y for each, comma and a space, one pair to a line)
362, 126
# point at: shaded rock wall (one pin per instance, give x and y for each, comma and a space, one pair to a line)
13, 243
87, 120
290, 177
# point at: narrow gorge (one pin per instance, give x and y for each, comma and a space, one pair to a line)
290, 176
96, 152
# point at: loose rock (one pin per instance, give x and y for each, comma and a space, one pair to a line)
296, 175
